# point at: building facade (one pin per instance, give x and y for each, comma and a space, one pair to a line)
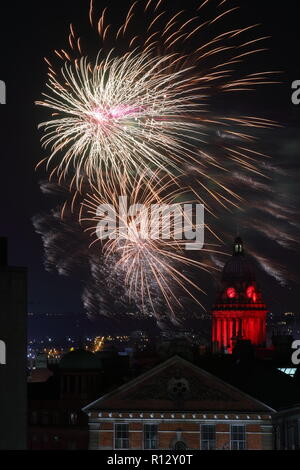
55, 419
176, 405
287, 429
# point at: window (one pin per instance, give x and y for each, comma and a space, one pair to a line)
292, 435
34, 417
72, 445
55, 418
282, 434
2, 352
238, 437
45, 418
288, 370
121, 436
150, 436
277, 437
208, 437
73, 418
72, 384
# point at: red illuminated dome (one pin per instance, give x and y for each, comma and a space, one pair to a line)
239, 312
239, 267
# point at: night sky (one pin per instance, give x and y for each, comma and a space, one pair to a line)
31, 30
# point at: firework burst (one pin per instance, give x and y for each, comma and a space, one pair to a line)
145, 100
147, 247
121, 115
138, 118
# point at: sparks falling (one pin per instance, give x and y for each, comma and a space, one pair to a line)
137, 116
152, 265
145, 99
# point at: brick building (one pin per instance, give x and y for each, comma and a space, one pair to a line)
177, 405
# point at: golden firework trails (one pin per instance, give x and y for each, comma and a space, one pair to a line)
150, 263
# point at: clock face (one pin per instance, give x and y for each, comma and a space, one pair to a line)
231, 293
251, 294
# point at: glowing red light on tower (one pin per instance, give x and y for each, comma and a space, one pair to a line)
251, 294
250, 291
231, 293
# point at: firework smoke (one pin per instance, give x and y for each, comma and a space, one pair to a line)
145, 104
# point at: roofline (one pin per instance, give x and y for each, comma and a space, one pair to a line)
155, 369
189, 411
288, 410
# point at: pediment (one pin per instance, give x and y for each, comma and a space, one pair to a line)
177, 385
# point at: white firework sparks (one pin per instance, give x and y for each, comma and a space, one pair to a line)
122, 115
151, 266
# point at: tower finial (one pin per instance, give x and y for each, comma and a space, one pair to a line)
238, 247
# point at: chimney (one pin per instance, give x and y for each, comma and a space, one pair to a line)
3, 251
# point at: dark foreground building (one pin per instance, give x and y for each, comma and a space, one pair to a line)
233, 401
13, 337
287, 429
56, 420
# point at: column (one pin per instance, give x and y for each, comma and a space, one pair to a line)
225, 332
219, 333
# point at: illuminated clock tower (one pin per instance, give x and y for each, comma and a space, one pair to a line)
239, 312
